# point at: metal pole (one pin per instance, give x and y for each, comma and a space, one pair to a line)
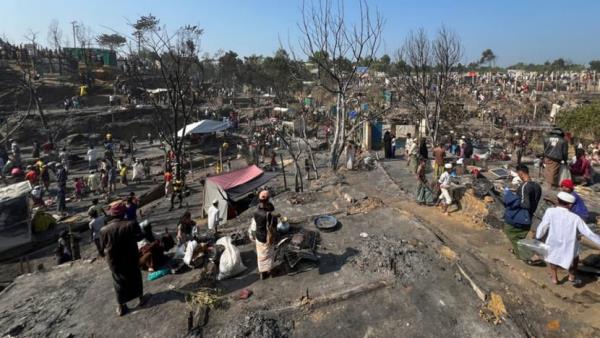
74, 23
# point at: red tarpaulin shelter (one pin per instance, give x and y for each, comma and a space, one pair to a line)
233, 186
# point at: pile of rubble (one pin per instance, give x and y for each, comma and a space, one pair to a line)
258, 325
391, 256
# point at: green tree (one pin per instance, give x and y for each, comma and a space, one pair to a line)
111, 41
229, 69
582, 121
595, 65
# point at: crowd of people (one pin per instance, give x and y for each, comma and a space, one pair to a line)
559, 225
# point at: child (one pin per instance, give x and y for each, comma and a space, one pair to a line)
78, 189
123, 174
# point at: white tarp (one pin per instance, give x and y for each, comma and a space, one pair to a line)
203, 127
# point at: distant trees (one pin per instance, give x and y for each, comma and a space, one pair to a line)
426, 81
595, 65
559, 64
112, 41
172, 57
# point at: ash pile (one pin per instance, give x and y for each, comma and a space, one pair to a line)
258, 325
390, 256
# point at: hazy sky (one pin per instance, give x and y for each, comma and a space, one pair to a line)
516, 30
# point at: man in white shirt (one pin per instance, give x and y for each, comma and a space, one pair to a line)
562, 227
444, 182
213, 216
91, 157
96, 224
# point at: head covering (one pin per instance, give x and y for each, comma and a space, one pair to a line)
263, 195
448, 165
463, 137
566, 197
567, 183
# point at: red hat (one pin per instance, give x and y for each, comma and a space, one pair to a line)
567, 183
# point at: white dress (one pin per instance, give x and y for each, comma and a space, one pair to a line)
562, 226
349, 157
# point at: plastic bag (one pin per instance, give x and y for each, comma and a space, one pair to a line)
180, 251
189, 252
530, 247
230, 263
564, 173
252, 230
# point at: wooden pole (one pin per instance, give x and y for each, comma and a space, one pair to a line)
283, 171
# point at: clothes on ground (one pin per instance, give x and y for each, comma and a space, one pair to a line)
562, 227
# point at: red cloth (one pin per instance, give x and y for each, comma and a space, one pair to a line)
581, 167
236, 178
168, 177
31, 176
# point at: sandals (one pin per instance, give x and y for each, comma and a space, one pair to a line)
538, 262
576, 282
122, 310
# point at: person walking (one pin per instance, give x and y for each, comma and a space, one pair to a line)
562, 227
444, 181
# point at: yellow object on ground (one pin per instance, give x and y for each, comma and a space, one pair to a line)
42, 221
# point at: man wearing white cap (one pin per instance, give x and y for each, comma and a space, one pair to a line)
562, 227
444, 181
213, 216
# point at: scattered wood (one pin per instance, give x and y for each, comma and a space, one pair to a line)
334, 297
482, 295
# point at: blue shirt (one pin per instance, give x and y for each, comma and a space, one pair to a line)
579, 207
131, 212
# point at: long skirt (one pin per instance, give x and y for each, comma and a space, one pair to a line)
424, 194
264, 256
128, 283
551, 170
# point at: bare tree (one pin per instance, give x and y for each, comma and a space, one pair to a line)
426, 81
338, 47
172, 58
54, 40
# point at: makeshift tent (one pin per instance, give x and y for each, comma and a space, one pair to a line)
203, 127
233, 186
14, 215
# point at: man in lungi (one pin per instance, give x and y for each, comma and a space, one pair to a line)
266, 229
119, 240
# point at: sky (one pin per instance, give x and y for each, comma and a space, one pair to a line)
516, 30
